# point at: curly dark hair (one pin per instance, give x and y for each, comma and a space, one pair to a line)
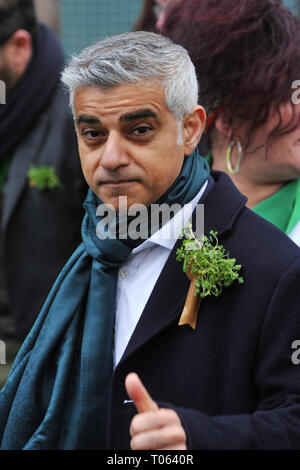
246, 54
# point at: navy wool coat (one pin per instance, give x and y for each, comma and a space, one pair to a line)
232, 381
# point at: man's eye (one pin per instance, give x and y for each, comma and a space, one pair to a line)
142, 130
91, 134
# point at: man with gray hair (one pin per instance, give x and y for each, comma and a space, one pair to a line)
112, 362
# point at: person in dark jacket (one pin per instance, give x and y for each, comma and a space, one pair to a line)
113, 360
41, 183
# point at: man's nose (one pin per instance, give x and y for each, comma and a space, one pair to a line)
114, 153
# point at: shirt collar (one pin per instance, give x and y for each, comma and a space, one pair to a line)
169, 233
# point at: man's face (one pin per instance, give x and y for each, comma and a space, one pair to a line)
127, 142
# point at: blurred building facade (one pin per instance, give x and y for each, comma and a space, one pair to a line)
80, 23
85, 22
294, 5
48, 12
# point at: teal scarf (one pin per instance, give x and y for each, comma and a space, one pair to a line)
56, 396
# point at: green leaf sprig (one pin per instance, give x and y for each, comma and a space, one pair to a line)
43, 177
208, 262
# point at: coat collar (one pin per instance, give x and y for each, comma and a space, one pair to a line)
26, 154
222, 206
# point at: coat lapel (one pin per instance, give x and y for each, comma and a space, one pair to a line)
222, 205
164, 305
27, 153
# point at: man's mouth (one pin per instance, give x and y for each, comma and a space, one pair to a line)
111, 183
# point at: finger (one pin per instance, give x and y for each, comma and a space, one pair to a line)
139, 394
165, 438
152, 420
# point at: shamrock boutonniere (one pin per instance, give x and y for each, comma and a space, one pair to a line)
43, 177
209, 268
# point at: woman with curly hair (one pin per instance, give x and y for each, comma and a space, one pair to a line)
247, 58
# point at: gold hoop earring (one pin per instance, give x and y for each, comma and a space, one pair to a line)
234, 171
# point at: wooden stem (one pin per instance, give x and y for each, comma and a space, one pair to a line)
190, 311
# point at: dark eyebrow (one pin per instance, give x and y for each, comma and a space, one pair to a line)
87, 120
142, 113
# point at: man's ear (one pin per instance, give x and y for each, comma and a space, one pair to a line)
19, 50
192, 128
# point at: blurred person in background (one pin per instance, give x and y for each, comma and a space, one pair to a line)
151, 16
147, 18
41, 211
247, 59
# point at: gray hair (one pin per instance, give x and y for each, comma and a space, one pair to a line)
134, 57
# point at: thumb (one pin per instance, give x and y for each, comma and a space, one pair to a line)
139, 394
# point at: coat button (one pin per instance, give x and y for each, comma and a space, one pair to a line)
123, 273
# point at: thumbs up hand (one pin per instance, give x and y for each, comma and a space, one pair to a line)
153, 427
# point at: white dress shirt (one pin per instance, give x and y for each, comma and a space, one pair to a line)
138, 275
295, 234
